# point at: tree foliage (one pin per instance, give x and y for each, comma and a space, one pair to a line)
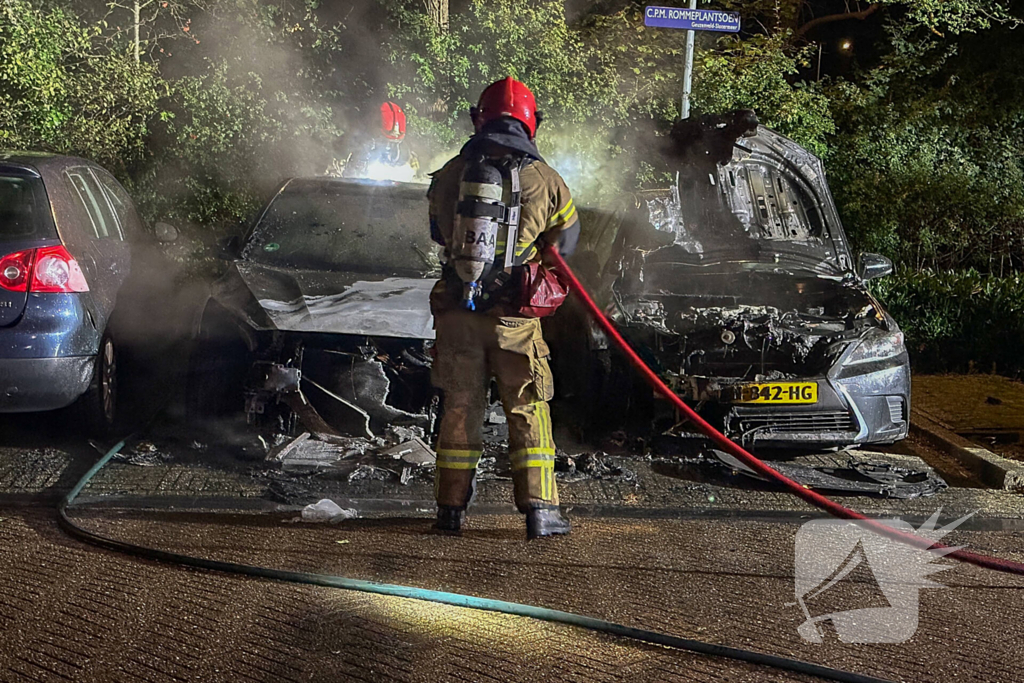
927, 166
63, 88
922, 144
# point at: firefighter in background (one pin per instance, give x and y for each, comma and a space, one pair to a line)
382, 156
495, 208
392, 128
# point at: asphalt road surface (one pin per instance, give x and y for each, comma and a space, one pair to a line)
708, 561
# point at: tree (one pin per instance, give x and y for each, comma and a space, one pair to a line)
438, 12
152, 21
927, 167
63, 88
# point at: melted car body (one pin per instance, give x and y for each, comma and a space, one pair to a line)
737, 284
323, 316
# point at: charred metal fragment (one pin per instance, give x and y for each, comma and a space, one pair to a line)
858, 476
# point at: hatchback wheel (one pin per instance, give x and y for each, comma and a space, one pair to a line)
97, 409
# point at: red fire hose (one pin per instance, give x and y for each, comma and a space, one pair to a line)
721, 441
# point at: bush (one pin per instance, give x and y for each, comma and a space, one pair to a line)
65, 89
957, 321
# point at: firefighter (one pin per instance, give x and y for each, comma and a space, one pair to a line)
381, 155
494, 208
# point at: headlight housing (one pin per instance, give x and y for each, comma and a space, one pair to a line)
877, 345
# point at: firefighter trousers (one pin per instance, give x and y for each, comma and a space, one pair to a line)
471, 349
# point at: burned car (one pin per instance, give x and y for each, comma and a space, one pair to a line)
738, 286
323, 315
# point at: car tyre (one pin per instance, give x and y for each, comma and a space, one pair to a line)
217, 368
97, 409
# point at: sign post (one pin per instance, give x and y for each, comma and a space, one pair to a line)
684, 108
691, 20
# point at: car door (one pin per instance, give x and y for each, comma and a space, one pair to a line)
108, 260
148, 303
127, 216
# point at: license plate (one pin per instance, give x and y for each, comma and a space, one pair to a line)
780, 392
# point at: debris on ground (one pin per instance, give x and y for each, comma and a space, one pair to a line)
369, 472
856, 476
283, 446
597, 465
399, 434
401, 454
143, 454
412, 452
304, 455
326, 510
495, 430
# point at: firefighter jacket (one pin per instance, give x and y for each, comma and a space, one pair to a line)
548, 210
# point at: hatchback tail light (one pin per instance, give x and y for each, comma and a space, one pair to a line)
16, 269
45, 270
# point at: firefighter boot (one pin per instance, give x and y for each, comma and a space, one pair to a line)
546, 521
449, 519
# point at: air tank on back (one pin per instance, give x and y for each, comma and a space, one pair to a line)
476, 229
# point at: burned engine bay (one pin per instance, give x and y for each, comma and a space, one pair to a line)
705, 349
341, 385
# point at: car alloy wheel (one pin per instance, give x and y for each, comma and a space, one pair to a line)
108, 381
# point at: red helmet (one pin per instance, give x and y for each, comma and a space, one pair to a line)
392, 121
507, 97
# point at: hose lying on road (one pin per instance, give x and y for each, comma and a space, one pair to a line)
734, 449
454, 599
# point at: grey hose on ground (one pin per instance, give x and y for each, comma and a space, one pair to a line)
453, 599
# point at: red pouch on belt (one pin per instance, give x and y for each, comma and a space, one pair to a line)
542, 290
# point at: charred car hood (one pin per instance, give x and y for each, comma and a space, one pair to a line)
296, 300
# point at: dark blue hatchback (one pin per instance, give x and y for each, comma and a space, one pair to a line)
68, 231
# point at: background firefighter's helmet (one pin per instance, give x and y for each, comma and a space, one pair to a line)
392, 121
507, 97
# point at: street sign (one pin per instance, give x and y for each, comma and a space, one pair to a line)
692, 19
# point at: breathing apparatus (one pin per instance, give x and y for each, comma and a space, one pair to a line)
487, 226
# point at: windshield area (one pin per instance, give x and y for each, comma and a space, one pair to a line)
24, 209
325, 224
749, 211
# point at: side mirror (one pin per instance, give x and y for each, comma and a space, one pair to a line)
165, 232
230, 248
872, 266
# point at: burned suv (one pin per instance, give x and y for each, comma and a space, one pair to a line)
738, 286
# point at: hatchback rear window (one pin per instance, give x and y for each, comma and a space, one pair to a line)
24, 209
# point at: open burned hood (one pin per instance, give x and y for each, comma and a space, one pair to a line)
741, 268
360, 304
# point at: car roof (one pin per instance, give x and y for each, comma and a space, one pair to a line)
45, 164
330, 182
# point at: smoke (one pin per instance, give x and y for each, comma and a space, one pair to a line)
603, 163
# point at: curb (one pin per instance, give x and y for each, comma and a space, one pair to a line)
993, 470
